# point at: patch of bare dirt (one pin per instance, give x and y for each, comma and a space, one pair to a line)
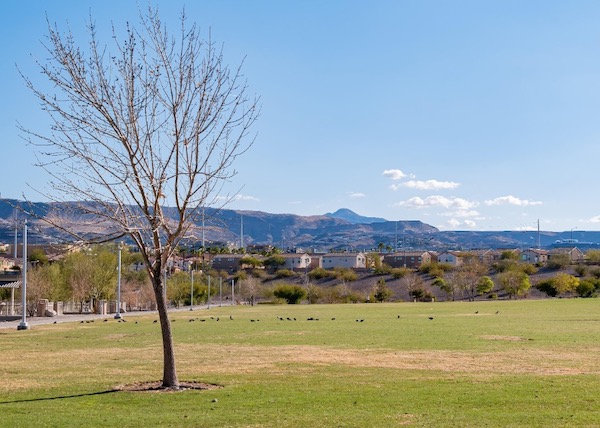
505, 338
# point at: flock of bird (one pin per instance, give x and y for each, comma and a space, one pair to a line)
251, 320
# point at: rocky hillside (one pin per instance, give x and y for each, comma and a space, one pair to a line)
343, 229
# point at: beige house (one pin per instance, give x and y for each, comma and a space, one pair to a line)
344, 260
534, 256
575, 254
296, 261
452, 258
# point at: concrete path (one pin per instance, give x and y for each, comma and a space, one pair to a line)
33, 321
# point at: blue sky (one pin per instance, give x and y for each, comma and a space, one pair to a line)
480, 115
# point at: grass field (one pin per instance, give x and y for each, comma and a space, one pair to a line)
479, 364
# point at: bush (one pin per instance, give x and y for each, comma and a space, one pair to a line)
314, 294
398, 273
292, 294
284, 273
595, 272
340, 294
382, 292
529, 269
345, 274
580, 270
320, 273
547, 286
421, 294
558, 261
586, 288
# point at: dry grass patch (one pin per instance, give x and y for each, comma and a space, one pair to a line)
253, 359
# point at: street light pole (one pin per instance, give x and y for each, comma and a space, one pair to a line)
192, 293
118, 314
23, 325
208, 297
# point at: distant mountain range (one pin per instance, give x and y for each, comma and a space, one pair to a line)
340, 230
352, 217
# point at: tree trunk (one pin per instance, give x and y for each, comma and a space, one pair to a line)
169, 373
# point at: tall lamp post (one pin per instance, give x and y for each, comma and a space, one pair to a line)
118, 314
23, 325
192, 293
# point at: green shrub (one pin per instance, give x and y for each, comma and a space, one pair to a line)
320, 273
382, 292
595, 272
586, 288
284, 273
580, 270
547, 286
398, 273
558, 261
314, 294
292, 294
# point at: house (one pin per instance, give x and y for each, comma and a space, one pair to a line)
408, 259
227, 262
453, 258
344, 260
532, 255
575, 254
296, 261
8, 263
487, 256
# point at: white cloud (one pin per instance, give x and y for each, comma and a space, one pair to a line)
453, 222
238, 197
394, 174
438, 201
511, 200
356, 195
595, 219
430, 185
462, 213
246, 198
467, 224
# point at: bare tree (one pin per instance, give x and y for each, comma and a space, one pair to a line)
145, 134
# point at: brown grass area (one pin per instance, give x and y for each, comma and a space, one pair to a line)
45, 369
250, 359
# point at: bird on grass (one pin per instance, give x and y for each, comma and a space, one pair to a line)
430, 318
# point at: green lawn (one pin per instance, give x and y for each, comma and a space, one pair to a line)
513, 363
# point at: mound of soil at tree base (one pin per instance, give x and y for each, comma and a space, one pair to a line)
156, 386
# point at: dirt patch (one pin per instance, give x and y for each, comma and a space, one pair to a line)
157, 387
250, 359
505, 338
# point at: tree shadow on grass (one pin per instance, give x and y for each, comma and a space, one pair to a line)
137, 387
60, 397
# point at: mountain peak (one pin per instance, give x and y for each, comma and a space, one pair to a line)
352, 217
